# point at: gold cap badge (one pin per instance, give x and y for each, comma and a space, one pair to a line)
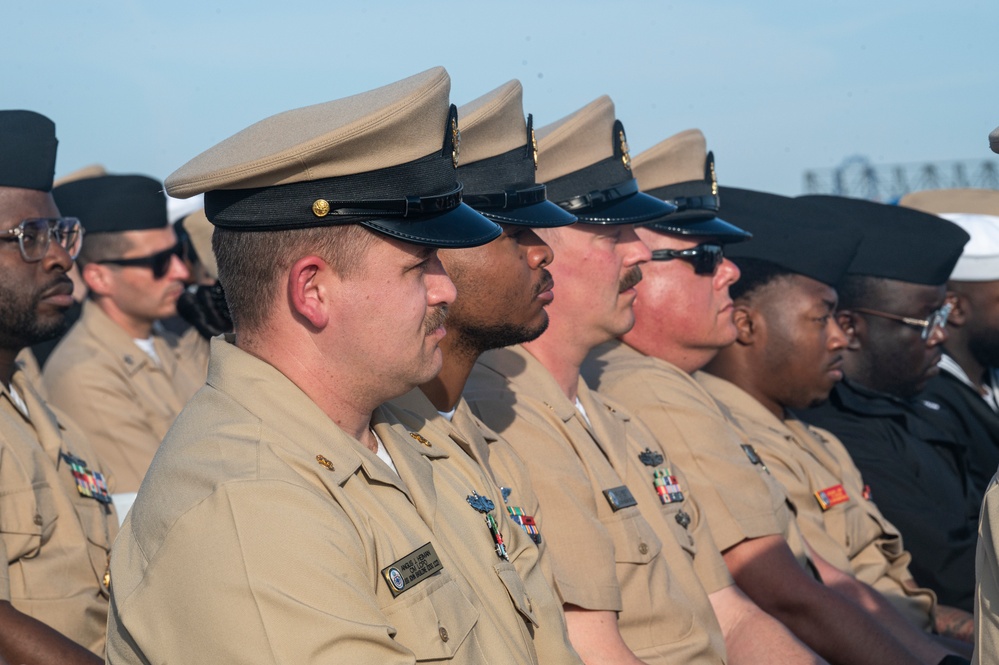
455, 142
625, 155
320, 207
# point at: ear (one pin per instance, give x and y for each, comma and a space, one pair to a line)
962, 309
854, 327
310, 290
98, 278
746, 324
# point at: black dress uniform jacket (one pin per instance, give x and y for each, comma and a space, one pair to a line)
979, 424
917, 471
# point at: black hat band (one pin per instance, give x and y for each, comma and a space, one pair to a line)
341, 200
515, 168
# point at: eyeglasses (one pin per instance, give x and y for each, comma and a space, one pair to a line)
159, 262
34, 235
936, 320
705, 258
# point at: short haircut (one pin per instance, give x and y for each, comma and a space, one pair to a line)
99, 247
252, 263
755, 274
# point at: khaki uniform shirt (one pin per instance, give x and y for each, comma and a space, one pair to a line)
640, 560
54, 540
741, 499
987, 580
123, 401
263, 534
836, 518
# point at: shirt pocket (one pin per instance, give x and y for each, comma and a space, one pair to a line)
27, 519
518, 593
633, 538
435, 619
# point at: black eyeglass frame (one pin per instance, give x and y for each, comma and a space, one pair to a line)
67, 231
158, 263
706, 257
936, 319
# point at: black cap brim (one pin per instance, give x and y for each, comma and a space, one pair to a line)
714, 228
637, 208
459, 227
543, 214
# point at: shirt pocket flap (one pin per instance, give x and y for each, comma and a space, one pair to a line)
515, 587
435, 621
27, 518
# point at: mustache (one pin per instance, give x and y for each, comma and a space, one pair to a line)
546, 283
631, 278
435, 319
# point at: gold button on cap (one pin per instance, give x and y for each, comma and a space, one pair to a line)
320, 207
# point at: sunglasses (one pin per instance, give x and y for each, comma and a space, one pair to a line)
159, 262
936, 320
33, 236
705, 257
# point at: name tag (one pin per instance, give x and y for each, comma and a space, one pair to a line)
831, 496
412, 569
620, 497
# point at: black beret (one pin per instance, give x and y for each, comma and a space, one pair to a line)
114, 203
27, 150
791, 233
899, 243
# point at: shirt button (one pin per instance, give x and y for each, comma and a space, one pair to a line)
38, 520
443, 634
643, 548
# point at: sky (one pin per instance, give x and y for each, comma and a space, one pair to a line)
778, 87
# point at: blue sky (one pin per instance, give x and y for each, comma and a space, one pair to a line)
777, 87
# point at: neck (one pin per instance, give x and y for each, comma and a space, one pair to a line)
444, 390
732, 365
561, 358
963, 357
7, 358
347, 399
657, 345
135, 328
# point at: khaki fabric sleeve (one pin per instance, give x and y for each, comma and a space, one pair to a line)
580, 547
255, 593
987, 575
707, 449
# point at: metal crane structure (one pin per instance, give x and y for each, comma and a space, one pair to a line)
857, 177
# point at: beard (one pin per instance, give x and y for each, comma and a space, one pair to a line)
984, 348
20, 323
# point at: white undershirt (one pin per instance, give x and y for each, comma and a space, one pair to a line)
383, 454
582, 412
147, 346
448, 414
18, 402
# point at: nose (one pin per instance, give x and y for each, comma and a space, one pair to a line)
539, 253
837, 336
440, 288
636, 251
727, 274
178, 269
57, 255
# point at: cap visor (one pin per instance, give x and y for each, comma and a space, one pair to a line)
638, 208
460, 227
539, 215
705, 228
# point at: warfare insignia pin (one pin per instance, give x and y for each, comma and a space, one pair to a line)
649, 458
484, 505
421, 439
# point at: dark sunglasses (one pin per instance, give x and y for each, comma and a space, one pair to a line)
705, 257
159, 262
